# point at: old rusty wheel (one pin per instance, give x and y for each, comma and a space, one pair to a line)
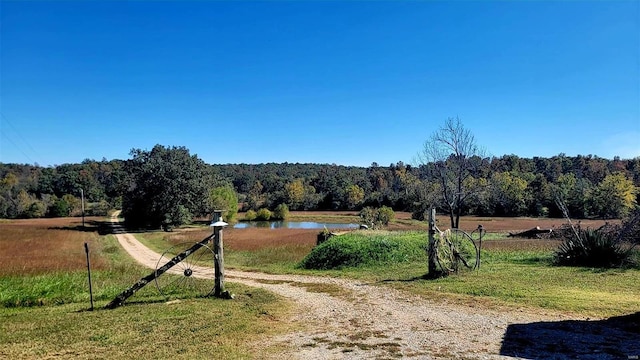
456, 251
192, 277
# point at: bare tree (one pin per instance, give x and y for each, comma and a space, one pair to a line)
454, 158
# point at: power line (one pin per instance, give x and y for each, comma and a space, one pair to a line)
17, 147
6, 120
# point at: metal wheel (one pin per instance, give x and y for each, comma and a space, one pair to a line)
192, 277
456, 251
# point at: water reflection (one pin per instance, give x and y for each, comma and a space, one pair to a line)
293, 225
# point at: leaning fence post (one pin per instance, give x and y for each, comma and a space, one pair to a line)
86, 250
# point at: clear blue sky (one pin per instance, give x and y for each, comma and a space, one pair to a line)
326, 82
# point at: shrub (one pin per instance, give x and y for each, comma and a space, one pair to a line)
263, 214
364, 249
99, 209
281, 212
419, 214
37, 209
60, 208
602, 248
377, 218
385, 215
250, 215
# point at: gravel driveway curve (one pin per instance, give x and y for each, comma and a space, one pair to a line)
369, 321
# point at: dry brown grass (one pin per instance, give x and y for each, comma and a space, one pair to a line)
508, 224
467, 223
253, 239
38, 246
521, 244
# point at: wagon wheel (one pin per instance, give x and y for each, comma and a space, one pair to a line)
456, 251
192, 277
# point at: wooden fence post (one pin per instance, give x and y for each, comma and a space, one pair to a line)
218, 250
433, 271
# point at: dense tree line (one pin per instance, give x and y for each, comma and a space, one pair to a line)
589, 186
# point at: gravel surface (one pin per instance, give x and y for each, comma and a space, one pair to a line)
349, 319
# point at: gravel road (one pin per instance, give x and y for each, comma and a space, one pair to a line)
371, 321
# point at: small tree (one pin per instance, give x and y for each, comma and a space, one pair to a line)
385, 215
376, 218
368, 216
281, 212
295, 192
454, 156
615, 196
509, 194
355, 196
224, 198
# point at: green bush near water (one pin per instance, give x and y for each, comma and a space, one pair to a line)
263, 214
359, 249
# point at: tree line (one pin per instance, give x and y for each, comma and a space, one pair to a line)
156, 187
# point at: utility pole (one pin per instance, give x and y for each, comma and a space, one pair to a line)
82, 197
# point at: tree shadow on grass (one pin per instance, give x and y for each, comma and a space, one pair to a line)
613, 338
423, 277
101, 227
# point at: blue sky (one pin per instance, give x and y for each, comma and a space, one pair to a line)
349, 83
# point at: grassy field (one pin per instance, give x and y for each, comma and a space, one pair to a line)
44, 299
44, 294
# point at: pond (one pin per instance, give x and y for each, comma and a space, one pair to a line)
293, 225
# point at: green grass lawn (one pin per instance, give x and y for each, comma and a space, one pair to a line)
529, 280
188, 329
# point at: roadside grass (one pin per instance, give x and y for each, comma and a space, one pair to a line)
43, 310
188, 329
528, 279
61, 286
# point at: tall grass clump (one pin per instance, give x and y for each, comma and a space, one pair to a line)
359, 249
610, 246
591, 248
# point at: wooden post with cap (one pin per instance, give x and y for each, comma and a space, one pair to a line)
218, 250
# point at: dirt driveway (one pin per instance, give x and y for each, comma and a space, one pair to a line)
369, 321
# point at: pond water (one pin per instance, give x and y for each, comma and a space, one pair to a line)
293, 225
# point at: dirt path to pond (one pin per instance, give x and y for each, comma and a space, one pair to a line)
350, 319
